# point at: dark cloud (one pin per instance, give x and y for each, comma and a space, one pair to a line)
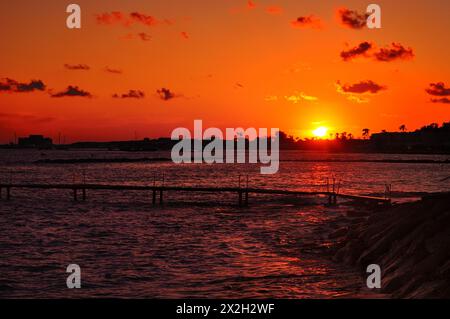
76, 67
352, 19
72, 91
13, 86
310, 21
132, 94
114, 71
444, 100
438, 89
166, 94
362, 49
144, 36
361, 87
395, 52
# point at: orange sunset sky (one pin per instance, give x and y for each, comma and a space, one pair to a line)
143, 68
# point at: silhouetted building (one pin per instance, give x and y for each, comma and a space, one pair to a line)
35, 141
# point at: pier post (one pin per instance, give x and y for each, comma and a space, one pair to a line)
154, 197
246, 198
75, 194
84, 194
8, 193
240, 199
161, 198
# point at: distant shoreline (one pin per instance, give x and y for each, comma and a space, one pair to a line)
153, 160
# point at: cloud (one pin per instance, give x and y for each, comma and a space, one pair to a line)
358, 92
361, 50
166, 94
114, 71
395, 52
144, 36
13, 86
298, 97
362, 87
310, 21
128, 19
132, 94
438, 89
352, 19
72, 91
76, 67
444, 100
274, 10
143, 18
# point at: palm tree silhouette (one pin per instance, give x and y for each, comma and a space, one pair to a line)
365, 133
402, 128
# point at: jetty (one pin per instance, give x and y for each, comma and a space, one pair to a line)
79, 191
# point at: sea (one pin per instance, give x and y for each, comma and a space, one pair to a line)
196, 245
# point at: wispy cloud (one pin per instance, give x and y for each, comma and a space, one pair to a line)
310, 21
129, 19
77, 67
132, 94
113, 71
298, 97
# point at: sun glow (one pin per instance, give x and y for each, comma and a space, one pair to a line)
320, 132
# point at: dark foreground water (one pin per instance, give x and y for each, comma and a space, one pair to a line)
197, 245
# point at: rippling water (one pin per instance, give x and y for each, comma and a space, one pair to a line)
196, 245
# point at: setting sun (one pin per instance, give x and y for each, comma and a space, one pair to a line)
320, 132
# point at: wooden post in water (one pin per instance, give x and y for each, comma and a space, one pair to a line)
161, 199
240, 198
154, 197
246, 193
84, 194
75, 194
8, 193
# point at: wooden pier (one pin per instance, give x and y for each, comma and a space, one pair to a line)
158, 191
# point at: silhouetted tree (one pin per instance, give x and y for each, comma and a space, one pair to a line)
365, 133
402, 128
